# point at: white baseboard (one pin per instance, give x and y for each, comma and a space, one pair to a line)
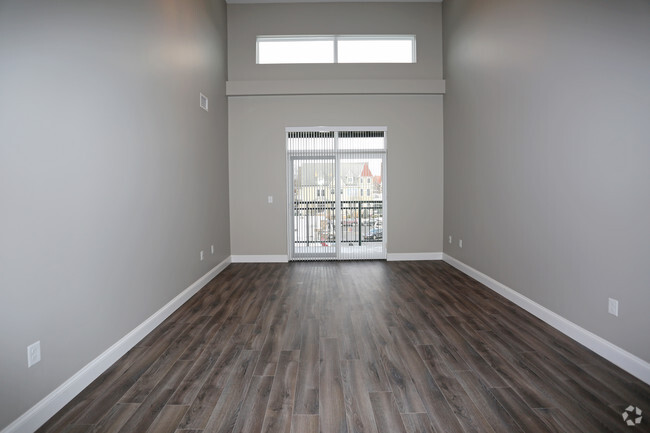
620, 357
278, 258
38, 414
284, 258
403, 257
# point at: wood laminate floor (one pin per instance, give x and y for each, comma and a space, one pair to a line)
379, 347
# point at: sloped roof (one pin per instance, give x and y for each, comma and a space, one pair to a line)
366, 171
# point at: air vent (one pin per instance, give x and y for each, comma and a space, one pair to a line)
203, 101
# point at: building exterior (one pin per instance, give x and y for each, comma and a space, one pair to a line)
315, 182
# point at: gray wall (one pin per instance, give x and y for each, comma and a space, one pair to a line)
257, 124
111, 176
258, 165
246, 22
547, 151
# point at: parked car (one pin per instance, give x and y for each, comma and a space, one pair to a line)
374, 234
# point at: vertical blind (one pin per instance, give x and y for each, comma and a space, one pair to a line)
336, 193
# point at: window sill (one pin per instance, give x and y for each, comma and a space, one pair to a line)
335, 87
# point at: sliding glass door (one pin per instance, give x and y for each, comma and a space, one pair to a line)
336, 188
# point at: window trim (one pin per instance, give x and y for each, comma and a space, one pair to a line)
335, 39
294, 38
411, 38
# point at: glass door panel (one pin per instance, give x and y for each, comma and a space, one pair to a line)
314, 208
362, 204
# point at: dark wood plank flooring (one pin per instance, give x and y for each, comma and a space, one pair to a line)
377, 347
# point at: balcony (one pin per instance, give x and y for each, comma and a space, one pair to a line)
315, 223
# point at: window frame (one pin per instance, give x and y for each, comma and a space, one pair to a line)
294, 38
335, 46
375, 37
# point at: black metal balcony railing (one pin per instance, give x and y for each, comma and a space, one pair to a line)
315, 222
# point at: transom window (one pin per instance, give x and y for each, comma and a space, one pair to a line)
336, 49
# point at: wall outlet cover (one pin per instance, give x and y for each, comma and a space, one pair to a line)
33, 353
612, 307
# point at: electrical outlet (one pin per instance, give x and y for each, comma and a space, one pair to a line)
33, 353
201, 255
211, 249
450, 239
612, 307
460, 243
270, 199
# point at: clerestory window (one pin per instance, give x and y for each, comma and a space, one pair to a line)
336, 49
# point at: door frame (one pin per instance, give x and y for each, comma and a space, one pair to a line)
337, 155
